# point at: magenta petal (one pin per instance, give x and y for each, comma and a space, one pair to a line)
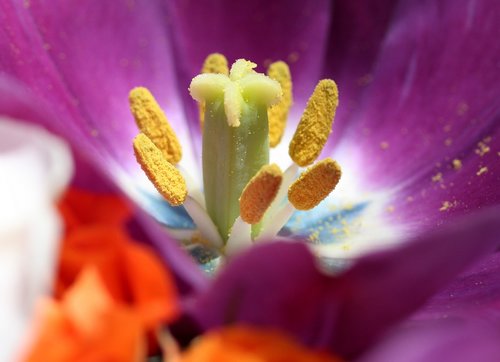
357, 30
83, 60
462, 341
475, 294
448, 189
17, 103
294, 31
434, 93
280, 285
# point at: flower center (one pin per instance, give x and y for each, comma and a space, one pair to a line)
242, 114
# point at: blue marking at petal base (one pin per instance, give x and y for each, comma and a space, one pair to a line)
208, 259
326, 223
170, 216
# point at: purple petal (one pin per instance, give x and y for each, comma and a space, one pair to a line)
445, 190
475, 294
261, 31
279, 285
17, 103
83, 60
357, 29
437, 342
434, 92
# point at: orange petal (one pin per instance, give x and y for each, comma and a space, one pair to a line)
82, 207
131, 272
98, 246
249, 344
87, 325
151, 287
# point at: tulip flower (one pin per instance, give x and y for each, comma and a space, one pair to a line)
415, 133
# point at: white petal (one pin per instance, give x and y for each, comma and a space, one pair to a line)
35, 167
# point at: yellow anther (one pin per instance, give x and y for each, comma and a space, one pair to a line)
164, 176
214, 63
154, 124
278, 114
259, 193
316, 124
314, 184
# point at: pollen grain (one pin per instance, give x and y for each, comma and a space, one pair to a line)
164, 176
259, 193
314, 184
278, 114
316, 124
214, 63
154, 124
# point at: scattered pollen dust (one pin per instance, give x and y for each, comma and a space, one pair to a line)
482, 170
447, 205
384, 145
438, 177
457, 164
482, 149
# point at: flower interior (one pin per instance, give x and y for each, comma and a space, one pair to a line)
243, 113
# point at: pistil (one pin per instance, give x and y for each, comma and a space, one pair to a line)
235, 136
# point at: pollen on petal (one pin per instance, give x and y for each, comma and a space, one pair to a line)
314, 184
316, 124
154, 124
278, 114
215, 63
259, 193
164, 176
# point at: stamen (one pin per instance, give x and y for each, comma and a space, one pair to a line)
154, 124
314, 184
215, 63
316, 124
278, 114
259, 193
164, 176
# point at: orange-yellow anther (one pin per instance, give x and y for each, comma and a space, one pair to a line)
214, 63
278, 114
164, 176
259, 193
154, 124
314, 184
316, 124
